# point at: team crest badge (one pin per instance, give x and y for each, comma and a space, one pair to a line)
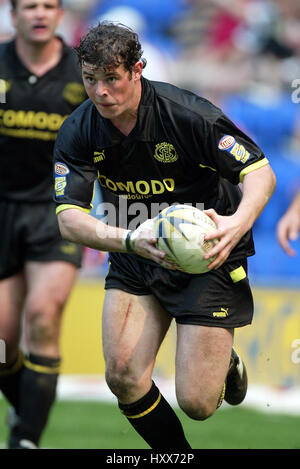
74, 93
165, 153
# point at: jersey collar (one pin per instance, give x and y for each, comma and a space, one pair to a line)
146, 126
20, 70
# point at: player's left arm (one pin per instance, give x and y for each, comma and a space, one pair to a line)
258, 187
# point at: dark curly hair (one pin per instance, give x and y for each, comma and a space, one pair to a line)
14, 4
109, 45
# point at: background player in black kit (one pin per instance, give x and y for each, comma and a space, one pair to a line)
37, 268
154, 143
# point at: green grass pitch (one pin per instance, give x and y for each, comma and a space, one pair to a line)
96, 425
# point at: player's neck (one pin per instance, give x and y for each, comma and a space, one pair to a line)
125, 124
39, 58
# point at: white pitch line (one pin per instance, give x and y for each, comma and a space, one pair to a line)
262, 398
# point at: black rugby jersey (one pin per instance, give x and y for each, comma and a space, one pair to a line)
30, 117
183, 149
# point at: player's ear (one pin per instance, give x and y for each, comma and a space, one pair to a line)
137, 70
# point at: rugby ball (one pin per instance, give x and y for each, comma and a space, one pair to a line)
180, 230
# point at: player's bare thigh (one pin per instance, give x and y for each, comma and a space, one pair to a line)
202, 361
12, 295
133, 330
49, 286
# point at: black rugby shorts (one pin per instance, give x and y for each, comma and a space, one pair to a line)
29, 232
219, 298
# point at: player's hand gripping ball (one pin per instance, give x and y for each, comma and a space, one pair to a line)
180, 230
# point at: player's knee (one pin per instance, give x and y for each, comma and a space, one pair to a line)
42, 324
121, 381
41, 332
196, 408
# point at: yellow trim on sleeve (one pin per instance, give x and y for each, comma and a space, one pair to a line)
142, 414
253, 167
63, 207
238, 274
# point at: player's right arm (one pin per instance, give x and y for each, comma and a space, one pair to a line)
79, 227
288, 227
75, 175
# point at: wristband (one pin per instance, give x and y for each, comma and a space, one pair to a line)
126, 242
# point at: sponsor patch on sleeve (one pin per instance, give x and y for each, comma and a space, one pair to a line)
231, 146
61, 170
226, 142
60, 185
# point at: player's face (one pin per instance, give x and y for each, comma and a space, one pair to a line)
36, 20
115, 93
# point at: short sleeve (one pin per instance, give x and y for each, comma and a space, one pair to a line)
74, 172
230, 151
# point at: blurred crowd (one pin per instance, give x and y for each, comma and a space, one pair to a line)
243, 55
211, 45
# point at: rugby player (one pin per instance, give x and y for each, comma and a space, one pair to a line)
288, 227
153, 143
43, 85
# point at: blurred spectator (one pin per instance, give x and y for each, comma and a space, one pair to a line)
225, 44
159, 56
268, 114
158, 16
6, 27
73, 24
